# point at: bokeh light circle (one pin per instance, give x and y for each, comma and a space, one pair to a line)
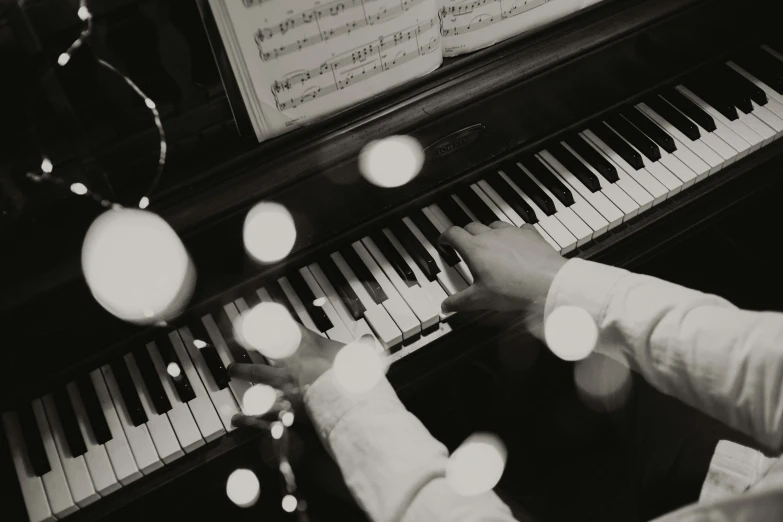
358, 366
603, 383
269, 232
269, 329
136, 266
477, 465
571, 333
258, 399
289, 503
391, 162
243, 488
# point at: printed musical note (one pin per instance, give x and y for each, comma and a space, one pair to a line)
319, 15
486, 17
358, 64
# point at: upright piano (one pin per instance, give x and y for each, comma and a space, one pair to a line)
615, 132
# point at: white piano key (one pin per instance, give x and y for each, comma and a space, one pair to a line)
448, 277
338, 332
642, 177
489, 203
432, 289
592, 218
75, 469
96, 458
159, 426
565, 215
357, 328
511, 215
237, 386
55, 484
465, 208
31, 485
772, 94
118, 449
180, 416
684, 143
738, 127
614, 215
139, 440
758, 126
539, 214
766, 115
399, 311
298, 307
201, 407
377, 317
661, 173
772, 51
442, 223
222, 400
425, 310
627, 184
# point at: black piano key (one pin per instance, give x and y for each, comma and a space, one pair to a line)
709, 92
474, 203
160, 401
251, 297
394, 258
453, 211
576, 167
593, 157
169, 356
226, 327
531, 190
343, 289
92, 406
617, 144
690, 109
762, 65
32, 440
649, 128
128, 393
549, 180
635, 137
674, 117
278, 296
203, 342
426, 227
416, 250
510, 196
730, 90
754, 92
308, 298
69, 422
363, 274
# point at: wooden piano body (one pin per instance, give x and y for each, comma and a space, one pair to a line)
508, 99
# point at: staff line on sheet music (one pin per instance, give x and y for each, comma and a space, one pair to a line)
365, 56
484, 19
317, 14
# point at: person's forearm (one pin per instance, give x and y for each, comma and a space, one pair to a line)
390, 462
693, 346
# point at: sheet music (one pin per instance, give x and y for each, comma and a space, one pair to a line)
469, 25
299, 60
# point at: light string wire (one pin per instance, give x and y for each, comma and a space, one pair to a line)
44, 173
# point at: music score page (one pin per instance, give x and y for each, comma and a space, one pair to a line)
297, 61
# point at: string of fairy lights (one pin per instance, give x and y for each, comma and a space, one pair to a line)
44, 172
279, 428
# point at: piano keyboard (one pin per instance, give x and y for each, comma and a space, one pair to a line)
105, 429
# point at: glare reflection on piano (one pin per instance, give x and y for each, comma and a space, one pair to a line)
589, 171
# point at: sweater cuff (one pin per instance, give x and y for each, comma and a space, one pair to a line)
327, 401
584, 284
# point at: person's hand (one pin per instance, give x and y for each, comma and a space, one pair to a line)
512, 268
313, 358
